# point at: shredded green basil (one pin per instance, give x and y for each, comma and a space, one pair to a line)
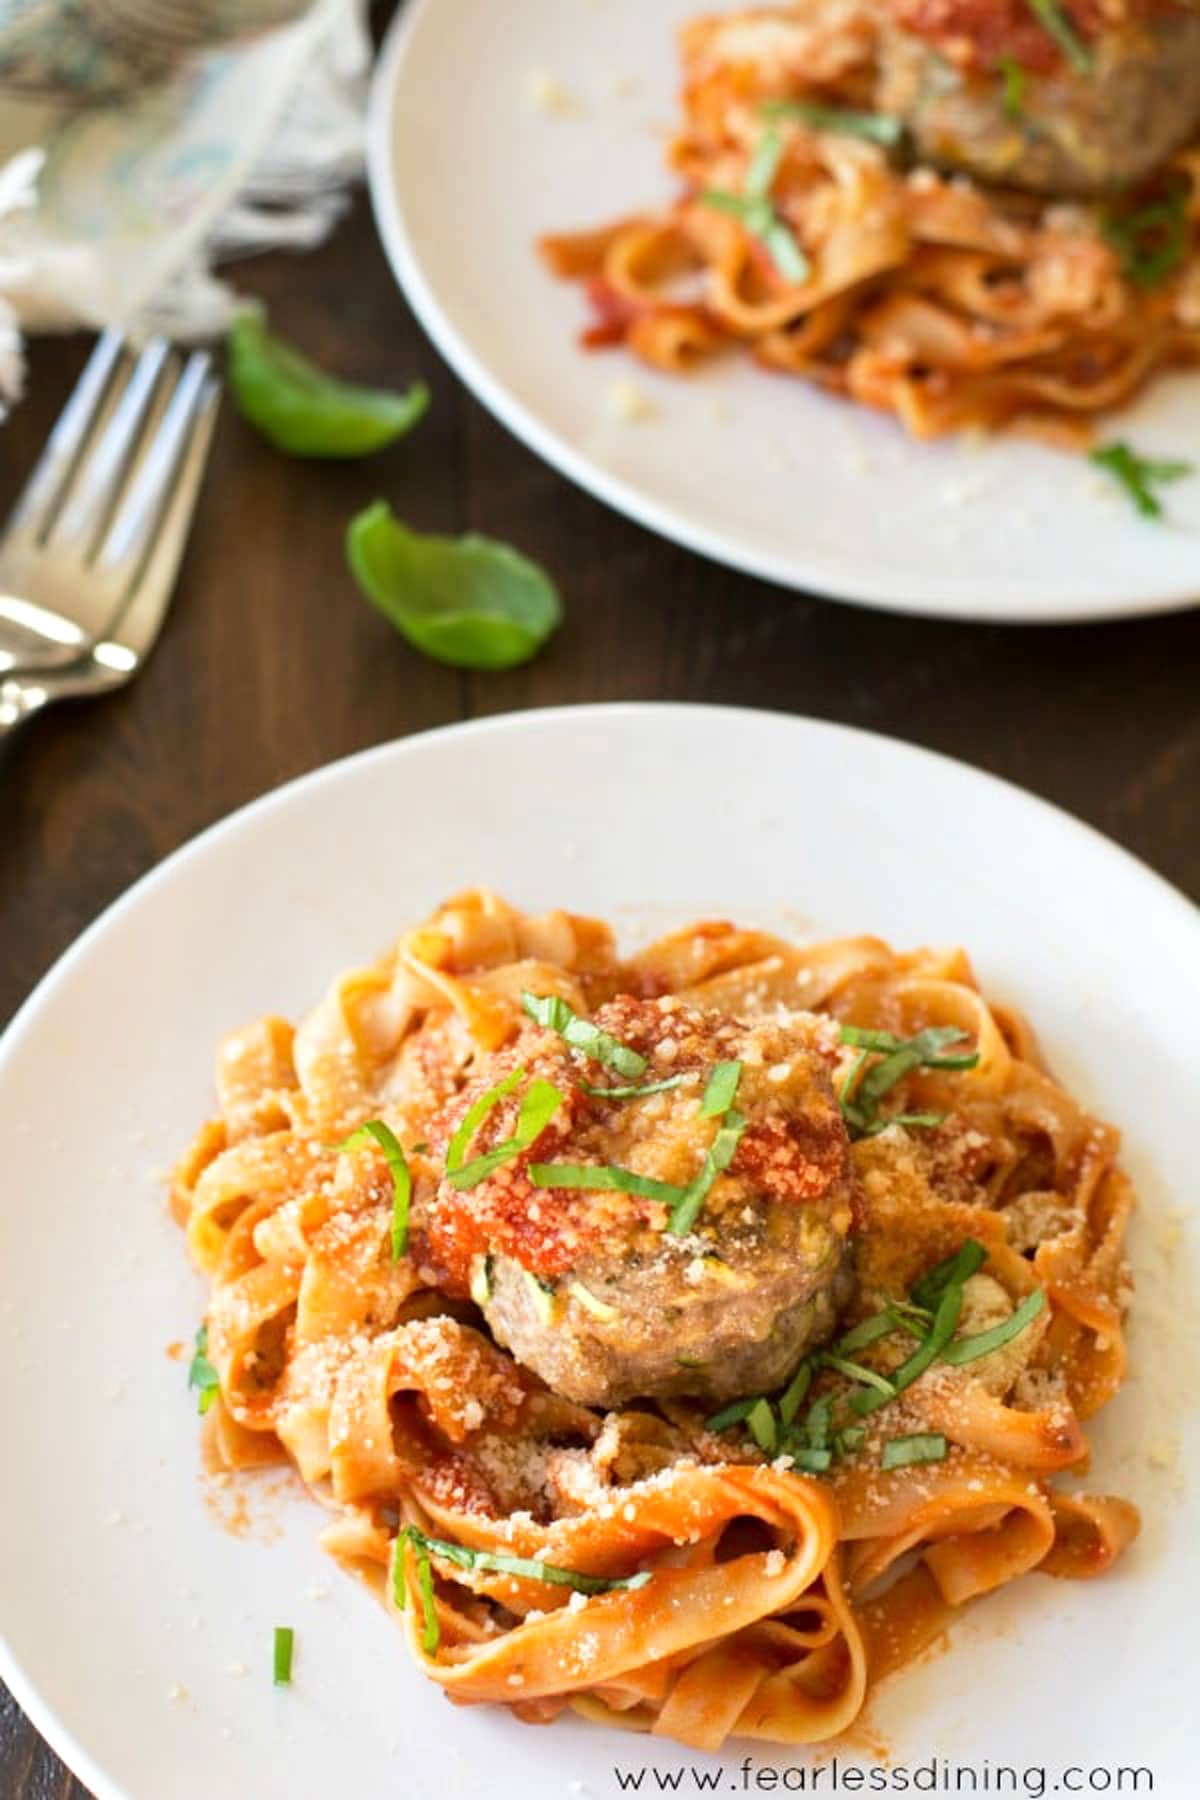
1139, 475
284, 1643
818, 1423
965, 1350
755, 211
917, 1447
762, 1425
374, 1131
945, 1323
966, 1261
1055, 23
474, 1116
631, 1093
793, 1394
496, 1563
601, 1178
431, 1633
931, 1314
554, 1013
1151, 240
201, 1374
876, 128
721, 1090
733, 1414
1014, 86
867, 1083
809, 1461
539, 1104
718, 1157
859, 1372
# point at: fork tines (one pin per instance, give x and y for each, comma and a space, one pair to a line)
85, 530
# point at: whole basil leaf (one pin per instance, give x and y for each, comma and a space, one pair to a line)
469, 601
305, 412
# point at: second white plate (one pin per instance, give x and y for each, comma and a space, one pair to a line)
752, 469
138, 1633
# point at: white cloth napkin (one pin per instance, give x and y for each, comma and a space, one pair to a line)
142, 142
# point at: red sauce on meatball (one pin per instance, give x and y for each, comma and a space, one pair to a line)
984, 32
789, 1160
793, 1149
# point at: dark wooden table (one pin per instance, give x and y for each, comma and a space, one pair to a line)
271, 664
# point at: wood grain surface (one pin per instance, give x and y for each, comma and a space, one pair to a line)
271, 664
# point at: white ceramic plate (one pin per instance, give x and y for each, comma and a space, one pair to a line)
126, 1611
755, 470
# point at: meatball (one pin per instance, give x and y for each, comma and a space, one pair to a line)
591, 1288
982, 86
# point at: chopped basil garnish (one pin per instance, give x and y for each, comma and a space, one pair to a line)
945, 1323
733, 1414
1139, 475
966, 1261
554, 1013
761, 1424
815, 1443
965, 1350
718, 1157
1151, 240
685, 1202
631, 1093
809, 1445
917, 1447
474, 1116
817, 1424
1014, 86
494, 1562
927, 1049
539, 1104
1055, 23
879, 1325
877, 128
470, 601
374, 1131
305, 412
431, 1633
793, 1394
285, 1640
867, 1083
858, 1372
754, 209
721, 1090
601, 1178
811, 1462
201, 1374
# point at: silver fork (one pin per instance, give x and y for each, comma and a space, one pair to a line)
90, 553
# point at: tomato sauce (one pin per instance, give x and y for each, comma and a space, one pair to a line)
988, 31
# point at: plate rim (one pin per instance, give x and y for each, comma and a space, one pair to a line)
598, 710
815, 578
45, 1719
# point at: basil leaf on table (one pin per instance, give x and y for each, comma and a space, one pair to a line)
305, 412
468, 601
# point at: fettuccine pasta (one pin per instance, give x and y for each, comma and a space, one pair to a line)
925, 207
685, 1339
